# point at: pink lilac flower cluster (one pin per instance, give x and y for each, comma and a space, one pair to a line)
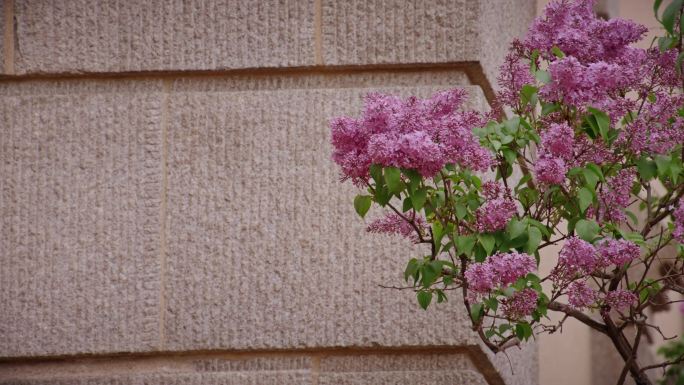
521, 304
580, 295
618, 252
501, 269
419, 134
598, 67
658, 128
613, 197
576, 257
573, 27
514, 73
555, 154
497, 210
678, 215
394, 224
620, 300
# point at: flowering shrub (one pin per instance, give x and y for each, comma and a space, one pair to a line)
591, 159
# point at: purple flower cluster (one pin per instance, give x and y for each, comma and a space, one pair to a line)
614, 197
618, 252
555, 154
573, 27
678, 215
394, 224
580, 295
497, 210
620, 300
513, 75
521, 304
501, 269
419, 134
576, 257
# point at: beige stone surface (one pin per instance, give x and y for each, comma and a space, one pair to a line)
141, 35
399, 369
433, 31
2, 36
264, 247
334, 368
79, 217
214, 200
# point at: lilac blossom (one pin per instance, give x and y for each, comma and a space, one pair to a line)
581, 295
550, 170
521, 304
618, 252
576, 257
501, 269
620, 300
420, 134
678, 216
394, 224
511, 266
481, 278
614, 196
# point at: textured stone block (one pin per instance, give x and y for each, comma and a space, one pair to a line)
2, 36
79, 217
264, 247
399, 369
143, 35
433, 31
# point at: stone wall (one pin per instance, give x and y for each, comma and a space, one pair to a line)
169, 213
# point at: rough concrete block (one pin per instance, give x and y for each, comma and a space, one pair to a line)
143, 35
433, 31
162, 370
79, 217
264, 247
2, 36
399, 369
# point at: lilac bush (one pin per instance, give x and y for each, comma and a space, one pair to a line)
590, 159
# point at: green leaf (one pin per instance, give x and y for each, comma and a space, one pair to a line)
382, 195
476, 311
543, 76
430, 274
632, 217
523, 331
441, 297
411, 269
465, 244
414, 179
515, 228
656, 7
491, 303
512, 124
437, 235
418, 198
510, 155
603, 122
393, 179
461, 211
424, 298
487, 241
557, 52
670, 14
647, 168
376, 174
548, 108
587, 230
534, 237
362, 204
528, 95
586, 198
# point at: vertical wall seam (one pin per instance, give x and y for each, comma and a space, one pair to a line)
318, 32
167, 83
315, 368
8, 38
